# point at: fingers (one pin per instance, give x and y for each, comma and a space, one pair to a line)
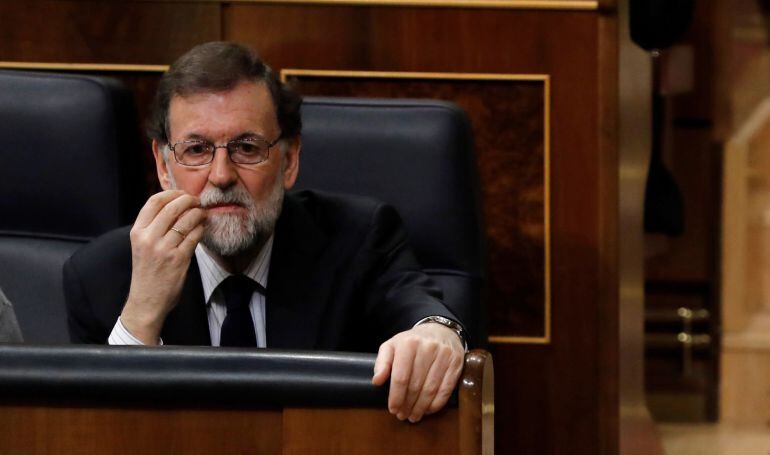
427, 361
423, 362
169, 214
184, 227
430, 387
383, 363
451, 377
188, 243
400, 375
154, 205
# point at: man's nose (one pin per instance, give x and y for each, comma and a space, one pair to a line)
223, 173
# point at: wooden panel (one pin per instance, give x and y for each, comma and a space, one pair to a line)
579, 5
316, 36
112, 32
84, 431
359, 431
511, 161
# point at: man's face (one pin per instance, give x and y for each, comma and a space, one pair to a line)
242, 201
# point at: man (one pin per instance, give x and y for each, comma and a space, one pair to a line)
223, 256
9, 327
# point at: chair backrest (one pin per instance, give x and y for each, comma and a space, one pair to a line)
70, 171
416, 155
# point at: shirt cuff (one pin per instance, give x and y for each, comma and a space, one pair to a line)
122, 337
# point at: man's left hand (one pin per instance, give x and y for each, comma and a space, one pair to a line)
423, 364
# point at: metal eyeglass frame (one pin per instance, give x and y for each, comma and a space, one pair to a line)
225, 146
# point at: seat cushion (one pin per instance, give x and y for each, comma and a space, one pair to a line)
31, 278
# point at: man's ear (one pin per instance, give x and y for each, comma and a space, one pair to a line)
291, 162
161, 166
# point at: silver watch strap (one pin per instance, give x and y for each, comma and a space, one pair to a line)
449, 323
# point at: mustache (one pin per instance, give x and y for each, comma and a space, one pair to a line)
233, 195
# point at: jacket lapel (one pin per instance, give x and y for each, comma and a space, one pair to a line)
296, 288
187, 323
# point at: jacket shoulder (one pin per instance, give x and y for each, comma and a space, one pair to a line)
112, 249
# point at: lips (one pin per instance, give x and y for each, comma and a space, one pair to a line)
224, 207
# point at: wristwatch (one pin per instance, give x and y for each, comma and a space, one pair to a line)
446, 322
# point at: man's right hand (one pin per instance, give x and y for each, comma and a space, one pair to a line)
160, 259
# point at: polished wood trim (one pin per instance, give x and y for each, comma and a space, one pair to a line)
547, 207
501, 339
112, 67
293, 72
286, 73
477, 404
558, 5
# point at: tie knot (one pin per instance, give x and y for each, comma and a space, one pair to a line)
237, 290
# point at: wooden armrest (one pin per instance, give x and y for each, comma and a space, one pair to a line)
477, 404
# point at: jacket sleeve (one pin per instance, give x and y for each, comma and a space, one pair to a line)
398, 292
83, 326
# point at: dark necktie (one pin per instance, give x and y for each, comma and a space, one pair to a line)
238, 326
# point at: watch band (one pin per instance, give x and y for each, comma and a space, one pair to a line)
446, 322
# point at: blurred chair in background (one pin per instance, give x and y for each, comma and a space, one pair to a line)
70, 169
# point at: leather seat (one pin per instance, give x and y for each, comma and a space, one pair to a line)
416, 155
69, 171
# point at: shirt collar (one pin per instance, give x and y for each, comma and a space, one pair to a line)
212, 273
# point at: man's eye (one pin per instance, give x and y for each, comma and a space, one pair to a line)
196, 149
248, 148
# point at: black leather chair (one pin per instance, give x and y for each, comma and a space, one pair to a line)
69, 171
418, 156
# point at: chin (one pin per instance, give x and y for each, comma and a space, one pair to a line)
230, 234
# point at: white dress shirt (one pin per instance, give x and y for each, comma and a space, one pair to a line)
212, 274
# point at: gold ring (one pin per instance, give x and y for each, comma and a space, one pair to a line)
179, 231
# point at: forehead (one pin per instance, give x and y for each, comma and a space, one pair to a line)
247, 107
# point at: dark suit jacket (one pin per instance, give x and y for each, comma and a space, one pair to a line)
341, 278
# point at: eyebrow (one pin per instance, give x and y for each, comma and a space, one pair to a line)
240, 137
248, 135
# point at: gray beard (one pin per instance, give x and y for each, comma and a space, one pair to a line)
232, 234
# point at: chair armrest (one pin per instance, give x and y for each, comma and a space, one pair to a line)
477, 404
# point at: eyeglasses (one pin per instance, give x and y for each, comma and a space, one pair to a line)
241, 151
